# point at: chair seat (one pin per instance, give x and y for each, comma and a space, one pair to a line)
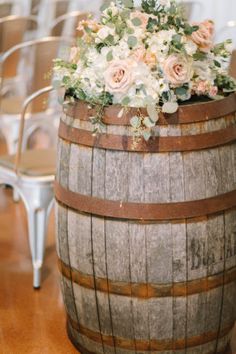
11, 105
34, 163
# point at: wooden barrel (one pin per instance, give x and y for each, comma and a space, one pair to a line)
147, 231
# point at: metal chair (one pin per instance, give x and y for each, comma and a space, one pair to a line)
5, 9
189, 6
41, 52
31, 173
12, 32
72, 19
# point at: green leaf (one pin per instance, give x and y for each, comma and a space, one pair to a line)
148, 122
130, 30
170, 107
136, 21
146, 135
217, 64
132, 41
152, 112
125, 101
181, 91
128, 3
199, 55
110, 56
135, 122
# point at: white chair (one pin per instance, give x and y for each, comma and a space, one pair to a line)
67, 23
31, 173
39, 67
189, 7
13, 30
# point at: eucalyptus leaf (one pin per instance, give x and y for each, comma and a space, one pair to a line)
170, 107
148, 122
125, 101
132, 41
146, 135
128, 3
152, 112
109, 56
135, 122
136, 21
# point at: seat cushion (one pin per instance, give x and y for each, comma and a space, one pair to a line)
11, 105
35, 163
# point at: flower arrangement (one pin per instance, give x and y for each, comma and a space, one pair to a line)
148, 57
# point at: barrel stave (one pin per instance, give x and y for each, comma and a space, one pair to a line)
149, 262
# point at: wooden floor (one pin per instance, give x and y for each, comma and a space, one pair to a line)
30, 321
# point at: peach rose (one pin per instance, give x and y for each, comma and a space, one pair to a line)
203, 37
177, 70
143, 17
138, 54
150, 59
118, 77
88, 24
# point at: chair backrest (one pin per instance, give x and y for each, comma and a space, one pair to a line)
189, 7
71, 18
232, 66
27, 103
40, 53
12, 30
5, 9
61, 7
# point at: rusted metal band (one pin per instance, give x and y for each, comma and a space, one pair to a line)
144, 211
152, 344
191, 113
154, 144
147, 291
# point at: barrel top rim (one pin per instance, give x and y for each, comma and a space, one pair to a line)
187, 113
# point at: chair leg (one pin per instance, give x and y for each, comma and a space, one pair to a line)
37, 224
11, 141
38, 214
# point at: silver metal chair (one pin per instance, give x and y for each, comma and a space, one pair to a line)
31, 173
13, 30
43, 52
71, 19
189, 6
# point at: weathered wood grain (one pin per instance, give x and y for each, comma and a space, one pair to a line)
160, 253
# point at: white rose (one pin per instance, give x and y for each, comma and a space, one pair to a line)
104, 32
190, 47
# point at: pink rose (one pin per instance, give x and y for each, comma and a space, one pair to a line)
202, 87
118, 77
143, 17
213, 91
138, 54
88, 24
203, 37
177, 70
